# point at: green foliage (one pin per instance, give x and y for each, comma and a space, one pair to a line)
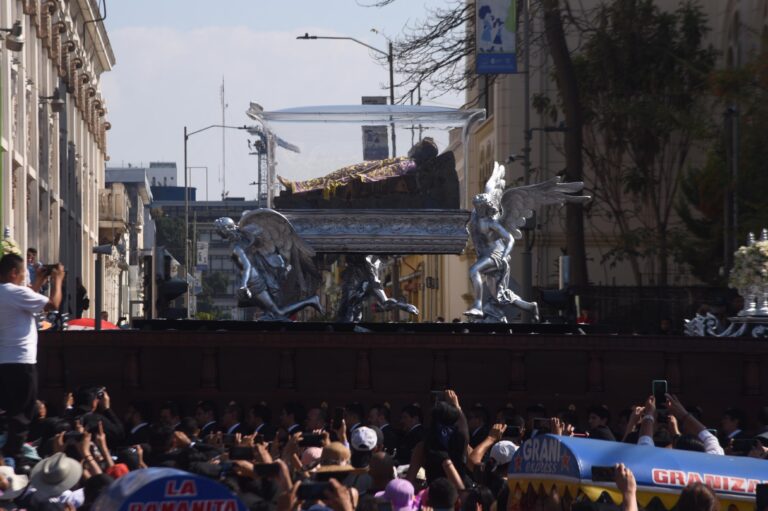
213, 283
643, 75
170, 233
702, 205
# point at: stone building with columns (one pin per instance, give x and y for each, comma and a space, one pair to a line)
53, 143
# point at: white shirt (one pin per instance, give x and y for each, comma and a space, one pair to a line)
76, 498
18, 331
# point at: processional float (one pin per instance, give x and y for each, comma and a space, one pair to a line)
377, 209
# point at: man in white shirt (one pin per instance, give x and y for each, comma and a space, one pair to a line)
18, 342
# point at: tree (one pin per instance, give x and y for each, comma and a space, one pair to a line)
435, 53
643, 76
213, 283
432, 53
568, 87
170, 233
704, 189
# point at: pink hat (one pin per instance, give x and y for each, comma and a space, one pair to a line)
311, 454
400, 493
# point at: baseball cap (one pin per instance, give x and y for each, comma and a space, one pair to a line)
363, 439
400, 493
502, 452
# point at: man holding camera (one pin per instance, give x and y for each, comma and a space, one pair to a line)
18, 342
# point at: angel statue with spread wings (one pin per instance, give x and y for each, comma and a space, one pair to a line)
494, 226
269, 253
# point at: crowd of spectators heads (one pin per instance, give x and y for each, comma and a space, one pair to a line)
352, 457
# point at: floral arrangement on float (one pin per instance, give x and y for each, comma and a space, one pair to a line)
8, 245
750, 275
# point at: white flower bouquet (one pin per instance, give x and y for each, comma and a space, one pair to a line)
750, 266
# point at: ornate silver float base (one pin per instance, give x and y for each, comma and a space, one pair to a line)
741, 326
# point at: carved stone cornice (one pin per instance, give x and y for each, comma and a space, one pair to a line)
403, 231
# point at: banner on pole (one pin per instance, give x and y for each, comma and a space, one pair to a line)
495, 27
375, 141
202, 256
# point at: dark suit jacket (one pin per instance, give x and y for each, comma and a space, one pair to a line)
391, 439
409, 441
113, 427
478, 436
267, 431
208, 429
140, 436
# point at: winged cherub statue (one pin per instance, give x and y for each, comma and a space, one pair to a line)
268, 251
494, 226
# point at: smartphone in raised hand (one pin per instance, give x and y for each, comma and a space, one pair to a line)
659, 391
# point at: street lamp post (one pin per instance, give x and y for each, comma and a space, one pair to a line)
390, 60
187, 241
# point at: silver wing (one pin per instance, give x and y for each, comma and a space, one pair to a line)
518, 204
270, 232
494, 187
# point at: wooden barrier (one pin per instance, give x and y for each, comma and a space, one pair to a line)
337, 367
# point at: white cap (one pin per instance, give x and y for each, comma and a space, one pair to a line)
502, 452
364, 439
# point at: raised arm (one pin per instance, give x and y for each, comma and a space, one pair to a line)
691, 425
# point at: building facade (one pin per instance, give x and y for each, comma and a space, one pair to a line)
738, 31
53, 143
125, 223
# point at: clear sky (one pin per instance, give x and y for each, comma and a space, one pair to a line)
172, 54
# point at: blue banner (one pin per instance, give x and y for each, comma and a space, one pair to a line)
166, 489
495, 41
656, 470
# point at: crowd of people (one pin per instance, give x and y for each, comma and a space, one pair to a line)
448, 457
343, 458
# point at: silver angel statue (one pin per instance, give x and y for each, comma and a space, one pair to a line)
494, 226
360, 279
269, 253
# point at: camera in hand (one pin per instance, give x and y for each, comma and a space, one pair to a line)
47, 269
311, 440
603, 474
241, 453
266, 469
312, 491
